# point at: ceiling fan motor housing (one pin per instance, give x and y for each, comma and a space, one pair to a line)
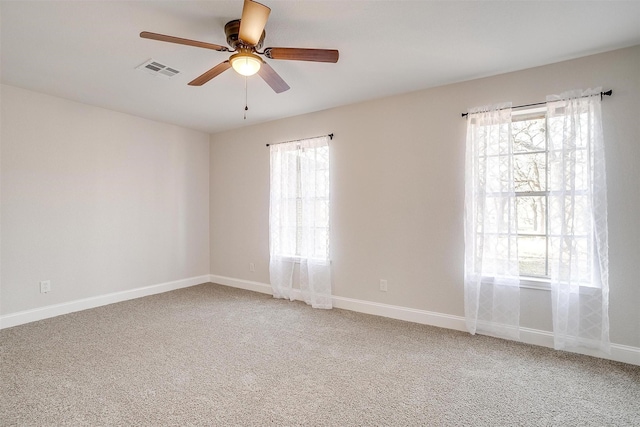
232, 29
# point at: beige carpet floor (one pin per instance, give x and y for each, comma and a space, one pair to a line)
213, 355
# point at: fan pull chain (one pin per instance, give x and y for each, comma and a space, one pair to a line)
246, 108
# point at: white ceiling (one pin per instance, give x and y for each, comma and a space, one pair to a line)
87, 51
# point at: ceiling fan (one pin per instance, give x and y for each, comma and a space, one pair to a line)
246, 36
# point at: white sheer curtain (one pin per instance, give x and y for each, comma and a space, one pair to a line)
578, 256
491, 276
299, 221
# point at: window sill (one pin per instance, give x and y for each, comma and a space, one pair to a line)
535, 283
542, 284
298, 260
545, 285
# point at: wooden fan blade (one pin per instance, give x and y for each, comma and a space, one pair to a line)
178, 40
297, 54
254, 18
272, 78
218, 69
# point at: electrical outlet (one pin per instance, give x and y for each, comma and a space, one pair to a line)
252, 267
383, 285
45, 286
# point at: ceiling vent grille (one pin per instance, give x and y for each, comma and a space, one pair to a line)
157, 69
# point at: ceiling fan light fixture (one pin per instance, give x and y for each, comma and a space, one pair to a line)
245, 63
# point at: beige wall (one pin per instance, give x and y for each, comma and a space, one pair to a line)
398, 186
96, 201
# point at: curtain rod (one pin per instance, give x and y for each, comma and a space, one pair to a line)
301, 139
608, 93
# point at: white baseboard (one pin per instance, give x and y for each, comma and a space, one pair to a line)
21, 317
401, 313
248, 285
619, 352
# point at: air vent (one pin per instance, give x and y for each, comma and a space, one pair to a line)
157, 69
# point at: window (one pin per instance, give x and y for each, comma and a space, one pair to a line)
536, 211
299, 221
301, 201
530, 176
530, 184
536, 193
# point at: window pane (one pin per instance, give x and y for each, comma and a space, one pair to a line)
528, 135
532, 253
531, 214
530, 172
